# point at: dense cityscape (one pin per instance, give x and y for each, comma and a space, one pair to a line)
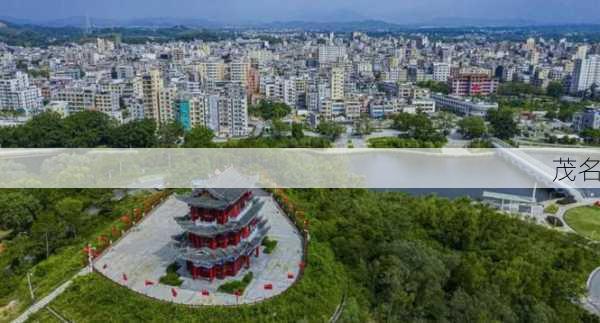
321, 77
228, 247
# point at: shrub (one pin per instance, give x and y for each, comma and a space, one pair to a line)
171, 278
551, 209
269, 245
237, 285
566, 200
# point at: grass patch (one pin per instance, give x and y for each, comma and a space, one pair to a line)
269, 245
172, 278
585, 220
237, 285
312, 299
551, 209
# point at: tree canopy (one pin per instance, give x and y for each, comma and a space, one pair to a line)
503, 123
418, 126
472, 127
269, 110
199, 137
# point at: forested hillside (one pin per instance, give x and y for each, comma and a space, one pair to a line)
398, 259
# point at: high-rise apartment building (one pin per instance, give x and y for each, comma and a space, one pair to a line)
586, 73
152, 84
472, 84
441, 72
331, 54
337, 83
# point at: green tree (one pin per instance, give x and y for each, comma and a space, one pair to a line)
169, 134
472, 127
17, 211
555, 89
87, 129
269, 110
412, 279
362, 126
70, 210
330, 129
518, 88
434, 86
503, 123
199, 137
45, 130
591, 136
138, 134
48, 231
297, 131
417, 126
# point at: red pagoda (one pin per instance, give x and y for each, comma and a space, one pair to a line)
223, 230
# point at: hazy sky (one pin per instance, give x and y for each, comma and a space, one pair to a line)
269, 10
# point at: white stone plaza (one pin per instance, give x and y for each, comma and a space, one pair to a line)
139, 259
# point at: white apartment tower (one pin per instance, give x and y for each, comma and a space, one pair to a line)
441, 72
586, 73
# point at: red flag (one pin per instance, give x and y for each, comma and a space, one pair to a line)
173, 292
149, 283
124, 277
205, 292
268, 286
237, 293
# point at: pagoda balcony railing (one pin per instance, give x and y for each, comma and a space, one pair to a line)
184, 241
207, 258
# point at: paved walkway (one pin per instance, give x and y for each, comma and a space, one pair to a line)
144, 254
592, 301
49, 298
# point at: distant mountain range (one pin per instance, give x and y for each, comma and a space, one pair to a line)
339, 21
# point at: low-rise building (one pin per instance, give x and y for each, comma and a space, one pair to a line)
463, 106
587, 119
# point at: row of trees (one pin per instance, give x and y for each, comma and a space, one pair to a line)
87, 130
554, 89
419, 127
502, 124
268, 110
91, 129
434, 86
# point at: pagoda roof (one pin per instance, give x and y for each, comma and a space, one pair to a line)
207, 258
212, 229
213, 198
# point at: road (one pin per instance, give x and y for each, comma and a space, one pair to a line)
40, 304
